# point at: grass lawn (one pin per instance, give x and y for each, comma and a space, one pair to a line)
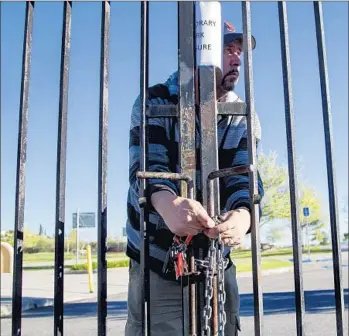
242, 265
33, 258
279, 252
246, 265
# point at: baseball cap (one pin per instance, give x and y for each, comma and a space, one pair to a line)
230, 35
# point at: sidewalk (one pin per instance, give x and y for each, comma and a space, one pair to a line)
38, 288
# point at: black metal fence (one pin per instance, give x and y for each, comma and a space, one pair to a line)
185, 113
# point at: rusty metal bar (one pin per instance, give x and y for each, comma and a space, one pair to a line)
209, 158
186, 104
164, 175
169, 176
158, 111
102, 169
20, 173
331, 178
255, 238
187, 148
243, 169
144, 246
209, 140
291, 151
61, 171
225, 172
235, 109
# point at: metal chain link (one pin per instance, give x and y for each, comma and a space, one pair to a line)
221, 265
214, 262
209, 273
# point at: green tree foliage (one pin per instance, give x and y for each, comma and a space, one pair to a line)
8, 237
33, 242
276, 202
319, 234
70, 241
274, 234
41, 230
274, 179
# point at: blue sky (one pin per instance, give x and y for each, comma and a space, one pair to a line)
82, 152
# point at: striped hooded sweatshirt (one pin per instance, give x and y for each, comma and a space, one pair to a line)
163, 156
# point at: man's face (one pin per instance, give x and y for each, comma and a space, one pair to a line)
231, 64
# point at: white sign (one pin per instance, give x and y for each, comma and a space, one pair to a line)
208, 37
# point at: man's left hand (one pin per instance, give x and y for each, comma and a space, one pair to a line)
233, 229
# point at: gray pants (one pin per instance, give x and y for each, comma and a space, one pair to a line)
166, 305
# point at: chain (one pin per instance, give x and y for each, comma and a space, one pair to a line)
221, 265
214, 263
214, 260
209, 273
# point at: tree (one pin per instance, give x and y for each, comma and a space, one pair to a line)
41, 230
274, 234
346, 236
343, 212
308, 198
320, 235
71, 240
8, 237
274, 178
276, 201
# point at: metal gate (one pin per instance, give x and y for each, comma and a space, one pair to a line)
185, 29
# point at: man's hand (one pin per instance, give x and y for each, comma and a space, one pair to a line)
233, 228
182, 216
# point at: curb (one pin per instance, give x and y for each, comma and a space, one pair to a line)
69, 271
6, 309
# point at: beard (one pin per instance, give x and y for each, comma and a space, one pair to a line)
228, 82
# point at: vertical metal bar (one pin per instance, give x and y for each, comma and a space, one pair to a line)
102, 169
187, 149
333, 203
208, 136
209, 156
144, 248
186, 61
61, 171
20, 173
0, 118
255, 239
289, 119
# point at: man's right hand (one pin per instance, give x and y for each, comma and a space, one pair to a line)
183, 216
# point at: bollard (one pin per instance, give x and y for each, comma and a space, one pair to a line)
6, 260
89, 268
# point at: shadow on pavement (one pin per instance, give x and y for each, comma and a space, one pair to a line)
274, 303
79, 309
316, 301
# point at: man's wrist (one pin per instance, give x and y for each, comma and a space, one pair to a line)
245, 218
161, 199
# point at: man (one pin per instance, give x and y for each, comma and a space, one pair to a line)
171, 214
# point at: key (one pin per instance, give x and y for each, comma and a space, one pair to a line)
179, 265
